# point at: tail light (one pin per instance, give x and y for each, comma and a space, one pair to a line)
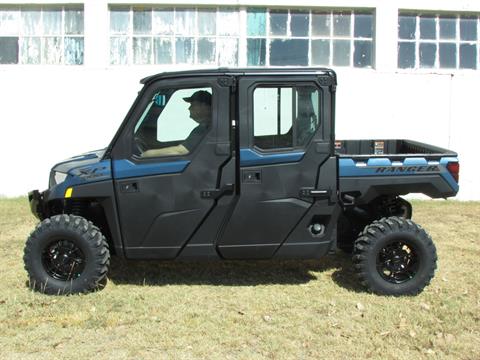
454, 170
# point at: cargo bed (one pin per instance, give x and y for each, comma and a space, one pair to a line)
391, 148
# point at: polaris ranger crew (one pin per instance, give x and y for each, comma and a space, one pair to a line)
238, 164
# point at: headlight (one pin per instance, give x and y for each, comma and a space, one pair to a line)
59, 177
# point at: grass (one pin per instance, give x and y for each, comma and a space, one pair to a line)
247, 310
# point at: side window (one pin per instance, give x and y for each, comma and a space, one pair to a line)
173, 123
285, 117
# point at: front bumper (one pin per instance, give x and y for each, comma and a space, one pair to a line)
37, 203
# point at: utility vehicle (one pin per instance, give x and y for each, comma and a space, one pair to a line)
238, 164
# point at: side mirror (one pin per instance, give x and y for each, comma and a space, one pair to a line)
160, 100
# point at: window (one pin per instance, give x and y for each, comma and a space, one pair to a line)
438, 42
285, 117
41, 35
227, 36
150, 35
174, 122
302, 37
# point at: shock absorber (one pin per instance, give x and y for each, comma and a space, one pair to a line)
76, 207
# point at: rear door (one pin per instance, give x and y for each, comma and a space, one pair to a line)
287, 172
167, 169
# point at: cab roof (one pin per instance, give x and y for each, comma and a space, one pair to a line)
242, 72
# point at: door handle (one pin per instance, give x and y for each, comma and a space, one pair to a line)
130, 187
215, 194
315, 193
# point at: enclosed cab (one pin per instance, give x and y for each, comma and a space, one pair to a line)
235, 164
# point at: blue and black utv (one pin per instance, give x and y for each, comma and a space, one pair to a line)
238, 164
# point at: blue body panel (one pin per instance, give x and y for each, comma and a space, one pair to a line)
249, 157
348, 167
80, 171
126, 169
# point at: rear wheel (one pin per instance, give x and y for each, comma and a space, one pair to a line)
394, 256
66, 254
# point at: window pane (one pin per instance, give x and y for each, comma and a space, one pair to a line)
256, 50
428, 29
273, 117
9, 21
265, 112
227, 52
448, 56
207, 21
428, 54
161, 124
284, 117
468, 28
468, 56
142, 21
52, 50
448, 28
341, 24
289, 52
119, 51
31, 24
363, 25
162, 22
142, 50
184, 50
52, 21
8, 50
228, 22
74, 51
341, 52
119, 21
256, 22
362, 55
306, 121
30, 50
321, 23
206, 51
185, 22
320, 52
163, 51
74, 22
299, 23
278, 22
406, 27
406, 55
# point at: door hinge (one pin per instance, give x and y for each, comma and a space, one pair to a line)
227, 81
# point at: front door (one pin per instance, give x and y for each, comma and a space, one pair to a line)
287, 170
171, 157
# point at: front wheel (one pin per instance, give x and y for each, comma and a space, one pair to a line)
66, 254
394, 256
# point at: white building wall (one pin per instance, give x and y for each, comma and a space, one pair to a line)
49, 113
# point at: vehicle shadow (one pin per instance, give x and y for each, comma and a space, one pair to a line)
233, 273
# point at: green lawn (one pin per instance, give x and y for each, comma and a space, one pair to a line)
247, 310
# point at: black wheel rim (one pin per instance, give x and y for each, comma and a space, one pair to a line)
63, 260
397, 262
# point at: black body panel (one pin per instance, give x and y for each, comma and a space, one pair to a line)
371, 187
271, 206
